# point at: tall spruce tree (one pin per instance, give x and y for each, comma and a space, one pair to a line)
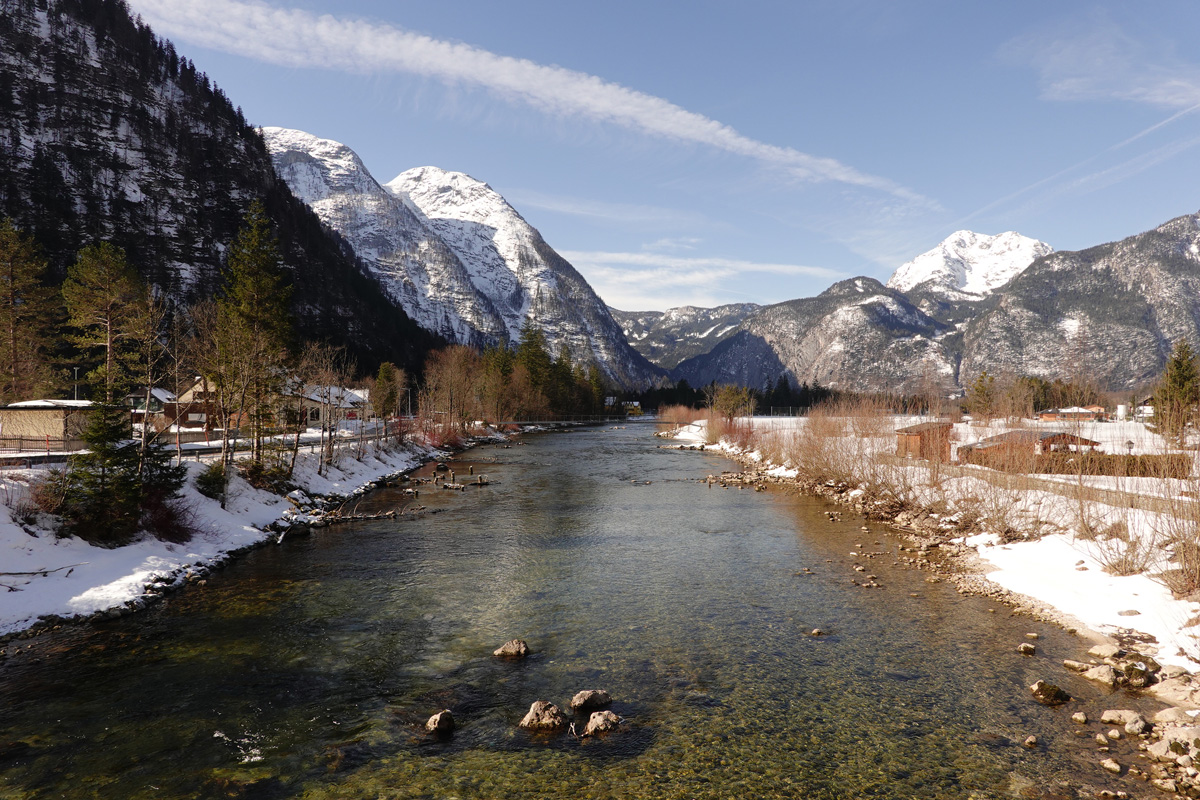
105, 300
254, 318
119, 486
534, 356
1175, 402
28, 316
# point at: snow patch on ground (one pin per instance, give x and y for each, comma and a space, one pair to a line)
71, 577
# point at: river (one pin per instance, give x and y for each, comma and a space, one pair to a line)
308, 669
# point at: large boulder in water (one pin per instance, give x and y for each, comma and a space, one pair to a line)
543, 716
601, 722
589, 699
1048, 694
516, 648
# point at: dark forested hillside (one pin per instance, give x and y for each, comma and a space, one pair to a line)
106, 132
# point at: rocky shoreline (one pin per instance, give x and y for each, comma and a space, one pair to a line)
308, 511
1165, 748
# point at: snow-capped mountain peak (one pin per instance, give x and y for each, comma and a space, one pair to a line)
968, 265
455, 255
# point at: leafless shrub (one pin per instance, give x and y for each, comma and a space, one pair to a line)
677, 416
1122, 552
48, 493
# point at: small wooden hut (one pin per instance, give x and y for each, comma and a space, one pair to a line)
928, 440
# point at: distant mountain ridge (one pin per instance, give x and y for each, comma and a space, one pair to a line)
1005, 304
677, 334
456, 255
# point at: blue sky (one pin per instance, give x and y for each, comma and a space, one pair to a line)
709, 152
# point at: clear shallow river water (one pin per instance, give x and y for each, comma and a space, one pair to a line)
307, 670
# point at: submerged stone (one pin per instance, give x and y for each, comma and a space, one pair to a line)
1048, 694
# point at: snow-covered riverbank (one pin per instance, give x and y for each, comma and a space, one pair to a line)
1053, 565
42, 575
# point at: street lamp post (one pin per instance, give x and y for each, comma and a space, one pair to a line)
76, 383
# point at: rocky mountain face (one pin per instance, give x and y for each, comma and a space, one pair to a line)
419, 271
107, 133
856, 334
677, 334
456, 255
1005, 304
1111, 313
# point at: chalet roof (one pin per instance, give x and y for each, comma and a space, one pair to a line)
162, 395
335, 396
1031, 438
926, 426
50, 403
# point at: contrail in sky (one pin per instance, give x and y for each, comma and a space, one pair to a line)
296, 38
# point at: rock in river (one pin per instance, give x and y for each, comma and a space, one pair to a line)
544, 716
1104, 674
601, 722
517, 648
590, 698
441, 722
1048, 694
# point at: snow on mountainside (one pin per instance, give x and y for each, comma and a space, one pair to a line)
522, 276
455, 255
416, 267
107, 132
671, 336
857, 334
967, 265
1110, 313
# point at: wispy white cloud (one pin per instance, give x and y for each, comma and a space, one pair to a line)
673, 244
1101, 60
298, 38
631, 214
642, 281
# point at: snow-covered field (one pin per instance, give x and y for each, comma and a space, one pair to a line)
1057, 566
68, 577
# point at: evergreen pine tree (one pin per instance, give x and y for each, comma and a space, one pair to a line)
105, 299
1179, 392
386, 397
254, 319
103, 499
28, 314
533, 355
982, 397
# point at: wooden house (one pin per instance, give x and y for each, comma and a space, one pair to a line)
195, 407
927, 440
1019, 445
141, 410
1072, 414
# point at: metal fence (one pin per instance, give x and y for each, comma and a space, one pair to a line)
40, 444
